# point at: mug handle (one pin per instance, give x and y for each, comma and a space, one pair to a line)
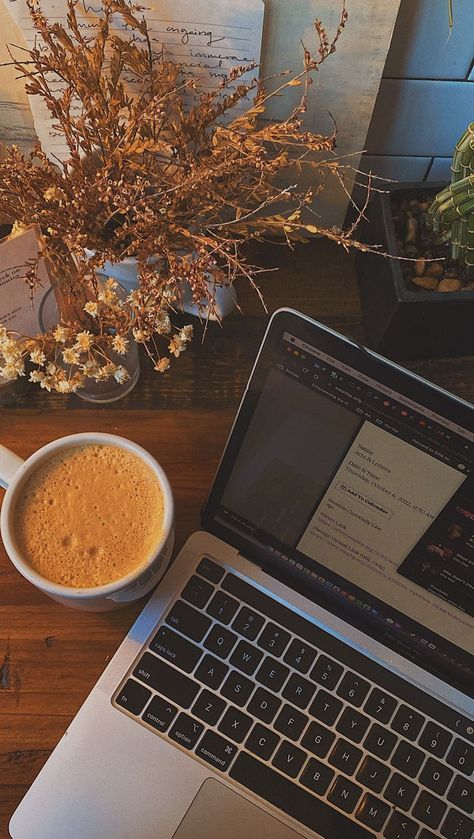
9, 466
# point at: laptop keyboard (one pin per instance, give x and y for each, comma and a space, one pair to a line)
301, 719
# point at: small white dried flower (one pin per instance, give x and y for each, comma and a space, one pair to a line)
92, 309
71, 356
84, 341
60, 334
63, 386
139, 335
36, 376
121, 375
38, 357
186, 333
120, 344
176, 346
162, 365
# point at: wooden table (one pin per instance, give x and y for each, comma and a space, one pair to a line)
51, 656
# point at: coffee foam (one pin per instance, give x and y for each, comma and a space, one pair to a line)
90, 515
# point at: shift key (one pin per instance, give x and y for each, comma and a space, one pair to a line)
166, 680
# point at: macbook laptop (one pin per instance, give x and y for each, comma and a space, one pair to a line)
305, 668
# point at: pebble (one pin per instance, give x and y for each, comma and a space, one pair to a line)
420, 266
449, 284
434, 270
430, 283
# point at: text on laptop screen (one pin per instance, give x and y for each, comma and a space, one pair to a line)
368, 494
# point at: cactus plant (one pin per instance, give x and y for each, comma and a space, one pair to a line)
453, 208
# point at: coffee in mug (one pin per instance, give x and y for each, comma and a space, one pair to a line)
88, 519
90, 515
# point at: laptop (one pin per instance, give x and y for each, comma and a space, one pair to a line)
305, 667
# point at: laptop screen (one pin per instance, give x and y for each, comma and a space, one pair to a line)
367, 497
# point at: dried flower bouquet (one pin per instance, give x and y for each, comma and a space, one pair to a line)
174, 185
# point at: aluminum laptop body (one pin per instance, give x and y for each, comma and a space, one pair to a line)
311, 645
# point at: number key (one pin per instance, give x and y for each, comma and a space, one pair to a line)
380, 705
299, 655
273, 639
353, 688
461, 756
435, 739
248, 623
327, 672
222, 607
407, 722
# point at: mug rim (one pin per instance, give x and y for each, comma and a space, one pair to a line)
43, 453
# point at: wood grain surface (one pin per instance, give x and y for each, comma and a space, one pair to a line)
51, 656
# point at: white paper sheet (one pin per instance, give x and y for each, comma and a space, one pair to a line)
208, 37
18, 310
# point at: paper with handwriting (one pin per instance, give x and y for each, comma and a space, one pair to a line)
207, 37
19, 308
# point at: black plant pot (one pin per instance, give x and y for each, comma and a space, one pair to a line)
400, 322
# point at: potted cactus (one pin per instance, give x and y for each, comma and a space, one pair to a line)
422, 303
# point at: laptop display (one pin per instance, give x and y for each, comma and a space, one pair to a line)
356, 482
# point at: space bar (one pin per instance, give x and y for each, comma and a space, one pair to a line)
300, 805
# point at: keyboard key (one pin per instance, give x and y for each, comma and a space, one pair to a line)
293, 800
400, 827
462, 794
133, 697
353, 725
235, 724
208, 707
428, 809
290, 722
160, 714
263, 705
188, 621
222, 607
272, 674
427, 834
372, 811
457, 826
220, 641
435, 739
461, 756
318, 739
380, 705
299, 655
325, 707
380, 742
345, 757
166, 680
326, 672
171, 646
197, 592
344, 794
373, 774
262, 741
289, 759
407, 759
211, 671
210, 570
317, 776
353, 688
248, 623
298, 690
246, 658
237, 688
407, 722
215, 750
336, 649
273, 639
186, 731
400, 791
436, 776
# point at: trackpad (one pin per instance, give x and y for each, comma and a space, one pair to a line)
218, 812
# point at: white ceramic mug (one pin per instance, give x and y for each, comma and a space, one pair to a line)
13, 473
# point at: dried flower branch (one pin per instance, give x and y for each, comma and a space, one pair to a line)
180, 187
